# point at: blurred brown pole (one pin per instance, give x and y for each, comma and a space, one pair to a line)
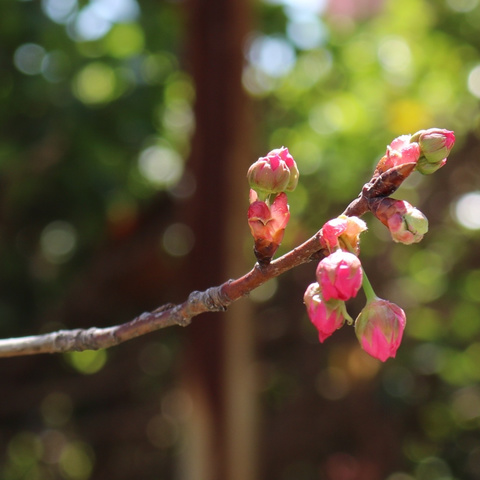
218, 370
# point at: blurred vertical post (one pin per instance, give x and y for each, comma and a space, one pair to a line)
218, 370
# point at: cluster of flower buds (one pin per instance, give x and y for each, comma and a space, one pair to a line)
379, 326
339, 275
426, 151
269, 178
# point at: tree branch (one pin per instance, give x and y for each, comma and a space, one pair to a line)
214, 299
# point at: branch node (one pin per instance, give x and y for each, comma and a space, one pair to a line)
179, 316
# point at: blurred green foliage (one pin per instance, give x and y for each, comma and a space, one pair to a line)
96, 120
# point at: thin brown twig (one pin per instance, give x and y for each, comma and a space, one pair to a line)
214, 299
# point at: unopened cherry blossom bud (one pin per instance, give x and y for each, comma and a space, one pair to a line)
406, 223
339, 275
379, 328
400, 151
267, 225
275, 173
327, 316
435, 145
343, 228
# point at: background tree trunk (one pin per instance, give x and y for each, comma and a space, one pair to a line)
218, 364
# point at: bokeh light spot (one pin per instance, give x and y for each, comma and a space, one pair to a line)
467, 210
256, 82
95, 83
178, 240
76, 461
394, 54
306, 31
125, 40
88, 361
97, 18
473, 81
89, 25
362, 366
462, 6
264, 292
58, 241
178, 118
116, 10
28, 58
160, 165
273, 55
59, 11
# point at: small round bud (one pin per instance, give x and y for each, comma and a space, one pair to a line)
379, 328
326, 316
435, 146
339, 275
275, 173
406, 223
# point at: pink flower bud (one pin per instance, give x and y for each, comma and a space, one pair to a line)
275, 173
406, 223
267, 225
435, 143
326, 316
347, 229
400, 151
379, 328
339, 275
